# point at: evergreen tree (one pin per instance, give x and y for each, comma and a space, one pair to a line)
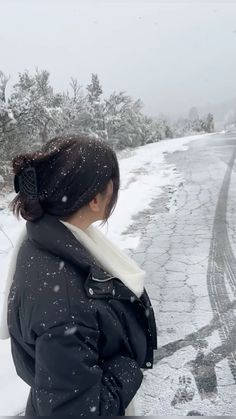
210, 123
95, 108
7, 119
36, 109
124, 121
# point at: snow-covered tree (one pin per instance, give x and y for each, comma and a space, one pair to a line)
194, 121
94, 90
7, 119
76, 90
230, 118
36, 108
209, 125
34, 112
124, 121
95, 108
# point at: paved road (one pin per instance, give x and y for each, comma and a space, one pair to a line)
188, 250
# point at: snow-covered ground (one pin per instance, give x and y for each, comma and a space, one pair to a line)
143, 175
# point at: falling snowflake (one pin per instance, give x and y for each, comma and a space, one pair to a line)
70, 330
61, 265
93, 409
147, 312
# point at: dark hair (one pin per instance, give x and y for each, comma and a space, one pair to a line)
70, 171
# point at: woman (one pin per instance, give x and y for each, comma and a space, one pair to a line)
80, 321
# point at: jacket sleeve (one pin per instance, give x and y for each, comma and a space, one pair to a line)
70, 379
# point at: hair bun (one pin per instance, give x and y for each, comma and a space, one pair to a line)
31, 209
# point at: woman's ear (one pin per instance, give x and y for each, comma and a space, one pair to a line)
95, 203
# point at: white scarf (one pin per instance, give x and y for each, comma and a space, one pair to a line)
108, 255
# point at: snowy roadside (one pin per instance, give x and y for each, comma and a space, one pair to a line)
143, 175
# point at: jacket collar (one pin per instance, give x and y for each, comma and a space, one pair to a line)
51, 235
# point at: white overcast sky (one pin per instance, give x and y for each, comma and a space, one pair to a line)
172, 55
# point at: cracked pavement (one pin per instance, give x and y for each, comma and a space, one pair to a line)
188, 248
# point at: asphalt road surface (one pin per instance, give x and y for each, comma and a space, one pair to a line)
188, 249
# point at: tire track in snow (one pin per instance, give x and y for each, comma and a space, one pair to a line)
222, 267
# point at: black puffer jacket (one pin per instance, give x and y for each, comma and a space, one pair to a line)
78, 342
